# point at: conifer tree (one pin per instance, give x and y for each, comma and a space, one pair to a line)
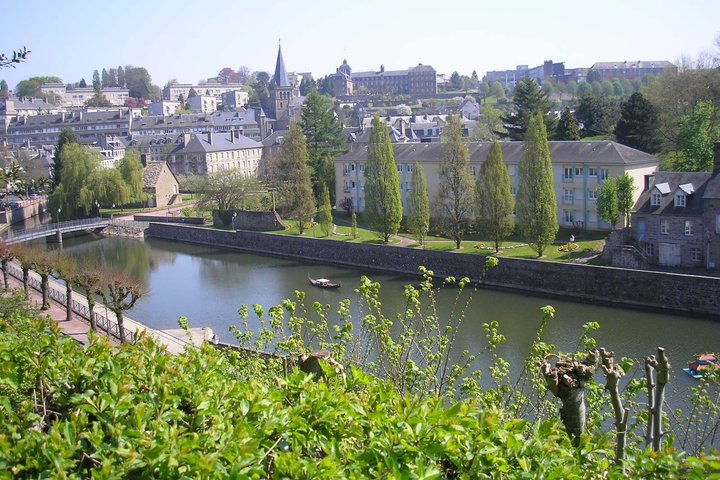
528, 100
66, 136
293, 178
383, 206
568, 128
638, 124
325, 211
536, 201
418, 218
457, 189
494, 199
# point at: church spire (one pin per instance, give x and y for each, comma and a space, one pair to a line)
281, 78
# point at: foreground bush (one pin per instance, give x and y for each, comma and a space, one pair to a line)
72, 411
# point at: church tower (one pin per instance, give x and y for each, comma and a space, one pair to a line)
281, 94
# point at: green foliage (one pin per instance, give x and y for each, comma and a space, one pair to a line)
418, 217
698, 132
78, 164
353, 222
131, 170
383, 207
106, 187
139, 83
638, 124
625, 190
324, 216
31, 86
225, 190
568, 128
494, 200
456, 190
292, 178
598, 114
536, 202
529, 99
98, 100
66, 136
607, 202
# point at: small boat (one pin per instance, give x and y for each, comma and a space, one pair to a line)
323, 283
701, 363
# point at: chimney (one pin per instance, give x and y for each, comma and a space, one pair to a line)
209, 137
649, 181
232, 136
62, 117
716, 163
186, 139
80, 115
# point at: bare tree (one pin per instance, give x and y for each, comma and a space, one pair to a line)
120, 294
88, 278
6, 256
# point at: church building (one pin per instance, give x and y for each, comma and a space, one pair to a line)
285, 99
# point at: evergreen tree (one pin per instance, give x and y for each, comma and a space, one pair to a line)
83, 83
494, 199
383, 207
105, 79
66, 137
121, 77
598, 114
325, 212
293, 178
625, 190
4, 89
638, 124
418, 217
567, 128
456, 192
536, 201
528, 100
97, 85
607, 202
323, 134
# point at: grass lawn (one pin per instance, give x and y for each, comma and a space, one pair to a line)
344, 234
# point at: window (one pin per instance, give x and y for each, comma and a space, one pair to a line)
568, 216
604, 173
578, 171
656, 199
695, 254
592, 171
568, 195
513, 192
689, 230
679, 199
592, 194
649, 249
664, 227
568, 174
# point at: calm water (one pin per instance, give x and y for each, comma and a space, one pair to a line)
208, 285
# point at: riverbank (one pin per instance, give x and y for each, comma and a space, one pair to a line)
595, 284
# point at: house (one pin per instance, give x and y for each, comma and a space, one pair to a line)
180, 92
676, 220
470, 109
77, 97
202, 104
235, 100
161, 185
164, 107
579, 168
418, 81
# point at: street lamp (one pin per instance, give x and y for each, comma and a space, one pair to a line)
233, 220
58, 214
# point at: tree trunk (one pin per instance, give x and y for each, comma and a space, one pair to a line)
44, 288
68, 300
91, 312
613, 374
121, 326
26, 274
5, 273
663, 370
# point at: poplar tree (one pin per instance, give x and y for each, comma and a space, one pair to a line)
293, 178
607, 202
536, 201
625, 189
383, 207
494, 199
325, 211
456, 192
418, 219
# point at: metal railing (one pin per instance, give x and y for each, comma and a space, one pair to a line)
12, 237
103, 322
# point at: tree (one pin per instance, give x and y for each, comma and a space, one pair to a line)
83, 83
31, 86
584, 88
536, 201
243, 74
105, 79
17, 56
292, 178
625, 190
497, 90
494, 200
353, 224
227, 75
66, 137
455, 81
598, 114
139, 83
121, 77
263, 77
383, 207
104, 186
638, 124
78, 164
98, 100
26, 258
4, 89
6, 256
120, 294
418, 204
225, 189
488, 125
131, 170
325, 212
568, 128
618, 90
456, 189
694, 141
607, 202
96, 83
44, 265
528, 100
323, 134
88, 277
260, 95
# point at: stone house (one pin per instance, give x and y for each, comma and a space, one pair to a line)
161, 185
676, 220
579, 168
202, 104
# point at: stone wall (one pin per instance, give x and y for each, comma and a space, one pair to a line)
169, 219
245, 220
606, 285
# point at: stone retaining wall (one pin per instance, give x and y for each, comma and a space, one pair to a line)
637, 288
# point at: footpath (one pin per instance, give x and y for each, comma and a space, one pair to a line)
175, 341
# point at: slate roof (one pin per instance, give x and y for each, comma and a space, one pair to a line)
220, 143
175, 121
151, 174
567, 152
72, 118
670, 182
280, 77
638, 64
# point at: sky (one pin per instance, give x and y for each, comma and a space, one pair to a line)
192, 41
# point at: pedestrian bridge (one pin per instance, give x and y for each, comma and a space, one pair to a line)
55, 229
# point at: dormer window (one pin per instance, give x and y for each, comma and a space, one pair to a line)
656, 199
680, 199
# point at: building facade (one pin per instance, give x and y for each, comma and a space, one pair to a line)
181, 91
161, 185
77, 97
418, 81
579, 168
639, 70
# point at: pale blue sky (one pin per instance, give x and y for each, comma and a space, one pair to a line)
190, 41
